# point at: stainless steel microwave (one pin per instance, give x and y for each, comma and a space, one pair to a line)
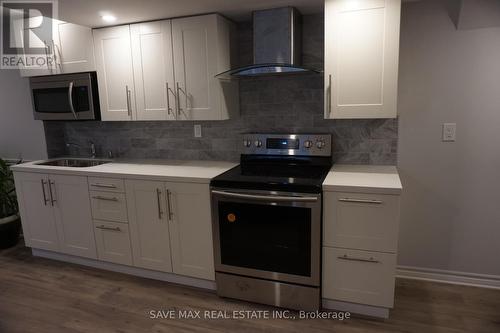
65, 97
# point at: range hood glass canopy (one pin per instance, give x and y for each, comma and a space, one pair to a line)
277, 45
265, 69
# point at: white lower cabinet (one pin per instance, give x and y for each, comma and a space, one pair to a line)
73, 215
156, 225
170, 227
113, 242
148, 220
37, 213
360, 237
191, 230
359, 276
55, 213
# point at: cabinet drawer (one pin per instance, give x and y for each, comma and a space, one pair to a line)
109, 206
361, 221
113, 242
106, 184
359, 276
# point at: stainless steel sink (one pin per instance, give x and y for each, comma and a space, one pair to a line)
75, 162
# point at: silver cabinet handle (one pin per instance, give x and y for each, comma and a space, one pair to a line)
158, 198
98, 197
46, 49
129, 111
70, 99
169, 109
57, 56
329, 94
52, 200
45, 200
103, 185
169, 205
179, 109
345, 257
367, 201
103, 227
270, 198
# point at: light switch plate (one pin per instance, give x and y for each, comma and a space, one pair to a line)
449, 132
197, 131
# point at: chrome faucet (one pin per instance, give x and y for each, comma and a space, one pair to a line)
92, 149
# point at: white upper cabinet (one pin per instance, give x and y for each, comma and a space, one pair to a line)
195, 56
115, 73
198, 42
153, 70
167, 69
71, 50
74, 48
361, 58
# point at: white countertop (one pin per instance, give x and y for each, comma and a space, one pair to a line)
157, 169
363, 179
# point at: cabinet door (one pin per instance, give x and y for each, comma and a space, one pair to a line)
195, 65
70, 197
113, 59
44, 63
361, 58
113, 242
39, 227
148, 223
153, 70
191, 229
75, 48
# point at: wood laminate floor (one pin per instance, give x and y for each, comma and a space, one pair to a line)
46, 296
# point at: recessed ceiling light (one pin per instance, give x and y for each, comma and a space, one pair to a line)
108, 18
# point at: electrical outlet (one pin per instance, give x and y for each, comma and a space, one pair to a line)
197, 131
449, 132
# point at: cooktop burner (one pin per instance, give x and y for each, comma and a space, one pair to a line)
291, 163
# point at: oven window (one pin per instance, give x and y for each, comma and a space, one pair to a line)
55, 100
266, 237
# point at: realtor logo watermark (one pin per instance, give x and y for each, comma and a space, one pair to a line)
27, 40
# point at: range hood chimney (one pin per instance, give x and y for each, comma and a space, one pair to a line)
277, 44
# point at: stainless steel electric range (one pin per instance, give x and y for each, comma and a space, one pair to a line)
267, 221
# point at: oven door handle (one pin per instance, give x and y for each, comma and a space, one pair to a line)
266, 197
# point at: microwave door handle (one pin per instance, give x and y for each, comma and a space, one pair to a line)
70, 98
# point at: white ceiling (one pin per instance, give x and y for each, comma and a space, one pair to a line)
88, 12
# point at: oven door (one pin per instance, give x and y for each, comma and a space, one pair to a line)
269, 235
68, 98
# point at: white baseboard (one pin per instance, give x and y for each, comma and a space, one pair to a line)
145, 273
452, 277
366, 310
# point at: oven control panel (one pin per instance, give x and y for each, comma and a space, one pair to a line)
288, 144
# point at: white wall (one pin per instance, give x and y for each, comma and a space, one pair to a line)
451, 204
20, 135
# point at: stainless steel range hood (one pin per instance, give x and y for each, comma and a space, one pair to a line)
277, 45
